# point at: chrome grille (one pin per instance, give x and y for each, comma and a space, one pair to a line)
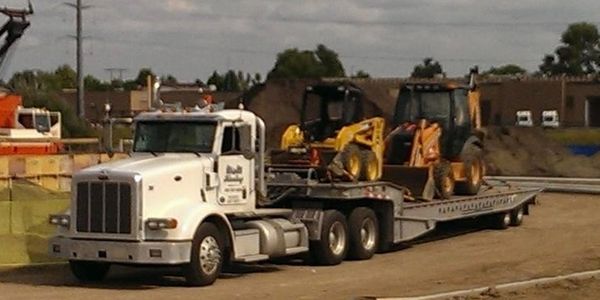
103, 207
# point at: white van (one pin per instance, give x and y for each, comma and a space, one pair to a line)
524, 118
550, 119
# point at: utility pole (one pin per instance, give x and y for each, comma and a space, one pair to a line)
79, 38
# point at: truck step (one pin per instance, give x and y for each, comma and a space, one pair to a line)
295, 250
252, 258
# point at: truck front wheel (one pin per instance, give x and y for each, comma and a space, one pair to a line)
331, 249
89, 271
206, 256
364, 233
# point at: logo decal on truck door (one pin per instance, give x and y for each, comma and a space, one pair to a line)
234, 174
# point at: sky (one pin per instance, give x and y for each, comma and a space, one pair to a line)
386, 38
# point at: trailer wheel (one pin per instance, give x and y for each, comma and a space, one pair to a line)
500, 221
364, 233
443, 179
516, 216
89, 271
332, 248
206, 258
351, 160
370, 166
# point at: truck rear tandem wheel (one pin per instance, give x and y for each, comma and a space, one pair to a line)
332, 247
364, 233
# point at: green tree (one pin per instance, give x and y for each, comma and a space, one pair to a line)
216, 79
142, 76
92, 83
330, 61
40, 89
510, 69
231, 82
66, 77
428, 69
361, 74
578, 54
293, 63
169, 79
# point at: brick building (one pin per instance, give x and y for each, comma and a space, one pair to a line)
577, 100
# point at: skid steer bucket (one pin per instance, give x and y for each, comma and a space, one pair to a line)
417, 179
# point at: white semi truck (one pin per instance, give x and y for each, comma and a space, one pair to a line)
196, 193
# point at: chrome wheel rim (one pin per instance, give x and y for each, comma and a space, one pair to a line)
520, 215
337, 238
210, 255
506, 219
367, 234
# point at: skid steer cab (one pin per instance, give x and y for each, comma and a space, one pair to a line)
333, 137
436, 145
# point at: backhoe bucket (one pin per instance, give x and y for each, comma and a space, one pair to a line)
417, 179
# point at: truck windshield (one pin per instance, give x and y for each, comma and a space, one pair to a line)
171, 136
413, 106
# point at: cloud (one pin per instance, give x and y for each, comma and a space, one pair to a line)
191, 38
180, 5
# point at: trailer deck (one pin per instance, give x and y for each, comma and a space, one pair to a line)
408, 219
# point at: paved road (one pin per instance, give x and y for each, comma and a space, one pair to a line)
560, 236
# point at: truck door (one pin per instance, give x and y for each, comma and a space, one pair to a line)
236, 167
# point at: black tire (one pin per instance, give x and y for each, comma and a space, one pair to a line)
89, 271
517, 215
328, 251
351, 155
474, 171
364, 233
368, 159
206, 258
443, 179
500, 221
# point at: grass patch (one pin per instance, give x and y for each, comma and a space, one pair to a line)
25, 230
23, 190
24, 249
575, 136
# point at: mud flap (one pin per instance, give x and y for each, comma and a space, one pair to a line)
417, 179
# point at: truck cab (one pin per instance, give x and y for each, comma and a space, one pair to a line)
189, 189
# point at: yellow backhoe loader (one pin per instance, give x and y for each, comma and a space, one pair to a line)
436, 146
333, 137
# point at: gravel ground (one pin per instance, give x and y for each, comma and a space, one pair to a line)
558, 238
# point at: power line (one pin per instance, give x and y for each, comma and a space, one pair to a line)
394, 23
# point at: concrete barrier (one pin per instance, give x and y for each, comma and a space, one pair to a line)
50, 171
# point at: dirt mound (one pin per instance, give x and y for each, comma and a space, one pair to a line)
528, 151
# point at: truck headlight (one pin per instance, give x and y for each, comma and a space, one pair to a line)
157, 224
60, 220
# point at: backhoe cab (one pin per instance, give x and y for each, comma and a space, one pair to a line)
436, 146
332, 136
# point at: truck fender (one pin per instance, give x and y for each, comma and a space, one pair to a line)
194, 216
